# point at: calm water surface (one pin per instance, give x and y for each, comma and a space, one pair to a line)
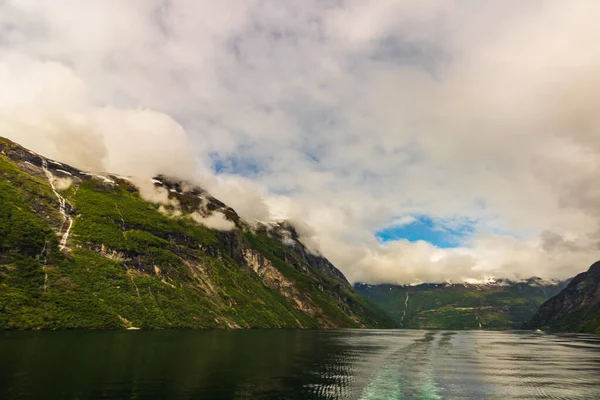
294, 364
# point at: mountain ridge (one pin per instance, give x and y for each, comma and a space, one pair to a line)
576, 308
500, 305
84, 250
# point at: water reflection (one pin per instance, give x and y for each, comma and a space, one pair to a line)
295, 364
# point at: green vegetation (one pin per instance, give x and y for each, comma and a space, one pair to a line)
575, 309
129, 265
587, 320
444, 306
322, 289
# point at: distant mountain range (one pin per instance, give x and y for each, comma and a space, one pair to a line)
82, 250
575, 309
498, 305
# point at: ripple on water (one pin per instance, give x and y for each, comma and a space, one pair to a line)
288, 364
490, 365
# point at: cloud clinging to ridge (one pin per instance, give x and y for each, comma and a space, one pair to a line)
344, 115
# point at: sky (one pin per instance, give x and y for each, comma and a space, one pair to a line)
408, 140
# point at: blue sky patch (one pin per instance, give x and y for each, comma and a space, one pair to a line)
233, 164
429, 230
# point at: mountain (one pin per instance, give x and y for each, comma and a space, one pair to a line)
575, 309
79, 250
498, 305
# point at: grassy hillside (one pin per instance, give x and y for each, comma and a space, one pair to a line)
125, 264
461, 306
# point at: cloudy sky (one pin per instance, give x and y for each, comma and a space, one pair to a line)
410, 140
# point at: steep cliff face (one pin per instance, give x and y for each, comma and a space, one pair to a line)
79, 250
574, 309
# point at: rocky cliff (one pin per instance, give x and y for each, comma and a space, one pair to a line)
84, 250
574, 309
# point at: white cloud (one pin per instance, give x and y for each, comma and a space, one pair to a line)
154, 194
246, 198
347, 117
45, 106
62, 183
402, 221
216, 220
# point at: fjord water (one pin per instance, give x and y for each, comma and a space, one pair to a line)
299, 364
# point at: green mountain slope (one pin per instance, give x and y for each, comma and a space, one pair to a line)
575, 309
86, 251
503, 305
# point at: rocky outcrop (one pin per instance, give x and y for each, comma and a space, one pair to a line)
574, 309
287, 234
274, 279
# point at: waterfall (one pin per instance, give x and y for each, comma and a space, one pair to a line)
62, 207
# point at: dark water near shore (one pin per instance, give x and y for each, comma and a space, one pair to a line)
295, 364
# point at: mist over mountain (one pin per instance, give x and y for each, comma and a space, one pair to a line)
311, 199
412, 141
90, 251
